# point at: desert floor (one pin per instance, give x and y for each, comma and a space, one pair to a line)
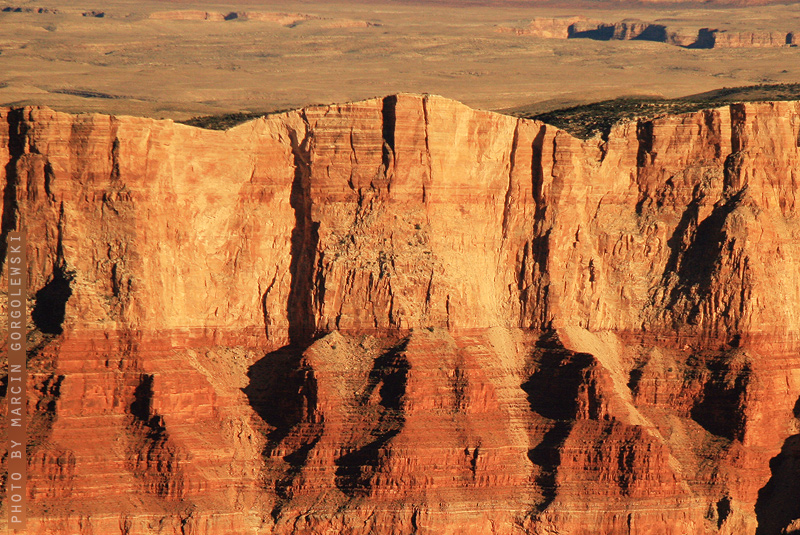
128, 63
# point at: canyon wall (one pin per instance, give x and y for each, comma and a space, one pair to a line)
403, 316
632, 29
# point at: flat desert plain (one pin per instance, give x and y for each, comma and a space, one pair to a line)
182, 59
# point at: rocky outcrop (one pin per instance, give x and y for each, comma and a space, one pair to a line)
724, 39
630, 29
403, 315
27, 9
547, 27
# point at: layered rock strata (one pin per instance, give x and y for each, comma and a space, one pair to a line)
406, 316
626, 30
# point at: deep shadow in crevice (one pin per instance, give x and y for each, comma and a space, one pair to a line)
355, 470
723, 510
553, 393
706, 38
696, 248
778, 502
547, 456
635, 377
281, 391
388, 116
49, 308
303, 251
719, 408
653, 32
151, 457
553, 389
17, 130
142, 410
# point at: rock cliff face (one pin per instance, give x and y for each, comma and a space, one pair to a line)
406, 316
631, 29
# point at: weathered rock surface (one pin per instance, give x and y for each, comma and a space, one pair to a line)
406, 316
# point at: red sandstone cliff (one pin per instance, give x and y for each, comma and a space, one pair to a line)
406, 316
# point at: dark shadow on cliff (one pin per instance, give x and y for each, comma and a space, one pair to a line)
280, 390
654, 32
16, 148
553, 393
696, 248
604, 32
706, 38
49, 309
719, 410
150, 455
283, 392
389, 375
778, 502
304, 240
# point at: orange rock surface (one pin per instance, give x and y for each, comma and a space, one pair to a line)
403, 315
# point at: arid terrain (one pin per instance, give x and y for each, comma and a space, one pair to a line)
378, 310
137, 59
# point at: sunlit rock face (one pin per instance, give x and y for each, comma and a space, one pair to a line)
403, 315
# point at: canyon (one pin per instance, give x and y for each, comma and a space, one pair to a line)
403, 315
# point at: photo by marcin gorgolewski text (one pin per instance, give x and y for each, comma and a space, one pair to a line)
17, 379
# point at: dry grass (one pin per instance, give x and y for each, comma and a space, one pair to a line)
127, 63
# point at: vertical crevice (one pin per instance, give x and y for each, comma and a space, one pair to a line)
426, 184
644, 135
532, 279
507, 204
264, 306
738, 122
388, 113
304, 240
17, 144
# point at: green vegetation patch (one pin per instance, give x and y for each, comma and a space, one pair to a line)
589, 120
228, 120
222, 122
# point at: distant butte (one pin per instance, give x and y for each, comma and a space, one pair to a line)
630, 29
